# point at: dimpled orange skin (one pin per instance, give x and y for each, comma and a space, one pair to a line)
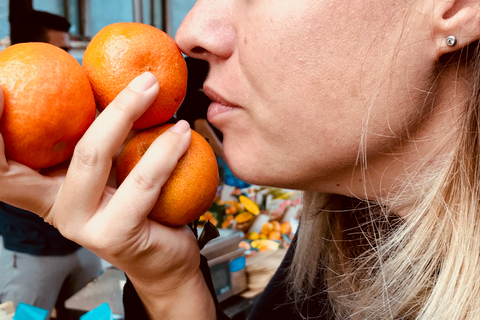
121, 51
191, 188
49, 104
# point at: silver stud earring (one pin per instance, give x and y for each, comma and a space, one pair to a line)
451, 41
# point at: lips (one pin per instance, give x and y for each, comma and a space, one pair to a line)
215, 97
219, 107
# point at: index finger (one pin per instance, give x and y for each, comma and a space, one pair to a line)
91, 163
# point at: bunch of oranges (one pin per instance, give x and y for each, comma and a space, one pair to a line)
50, 101
272, 230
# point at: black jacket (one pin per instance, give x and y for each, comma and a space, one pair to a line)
25, 232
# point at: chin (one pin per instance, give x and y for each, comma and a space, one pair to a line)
252, 167
254, 174
244, 169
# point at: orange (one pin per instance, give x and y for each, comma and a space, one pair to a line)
285, 228
276, 225
213, 221
191, 188
121, 51
208, 216
226, 223
49, 103
275, 235
231, 210
267, 227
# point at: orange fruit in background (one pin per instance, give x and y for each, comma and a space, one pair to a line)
191, 188
275, 235
227, 221
49, 104
267, 227
285, 227
208, 216
231, 210
121, 51
276, 225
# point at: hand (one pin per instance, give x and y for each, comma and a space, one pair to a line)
113, 222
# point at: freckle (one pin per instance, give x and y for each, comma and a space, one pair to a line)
360, 180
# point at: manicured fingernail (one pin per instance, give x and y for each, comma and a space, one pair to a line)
180, 127
143, 82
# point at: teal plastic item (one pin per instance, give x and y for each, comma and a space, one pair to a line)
27, 312
230, 179
237, 264
102, 312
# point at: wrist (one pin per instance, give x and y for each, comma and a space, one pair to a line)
187, 299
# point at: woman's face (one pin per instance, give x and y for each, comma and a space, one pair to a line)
294, 83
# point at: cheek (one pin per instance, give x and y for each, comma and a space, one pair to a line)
299, 71
313, 83
294, 151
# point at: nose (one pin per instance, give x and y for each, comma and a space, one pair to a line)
206, 32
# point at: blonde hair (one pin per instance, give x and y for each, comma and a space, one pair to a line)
377, 265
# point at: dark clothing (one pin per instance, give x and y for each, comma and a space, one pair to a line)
25, 232
133, 306
273, 303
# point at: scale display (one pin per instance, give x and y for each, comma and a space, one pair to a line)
221, 277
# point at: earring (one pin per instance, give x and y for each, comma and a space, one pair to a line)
451, 41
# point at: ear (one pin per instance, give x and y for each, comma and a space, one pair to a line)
458, 18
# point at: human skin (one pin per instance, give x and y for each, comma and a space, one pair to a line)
293, 83
162, 262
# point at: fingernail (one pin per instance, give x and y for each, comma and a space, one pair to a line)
143, 82
180, 127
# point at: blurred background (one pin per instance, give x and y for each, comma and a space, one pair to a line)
87, 17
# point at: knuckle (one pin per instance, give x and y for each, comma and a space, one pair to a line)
125, 99
87, 154
142, 180
120, 104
